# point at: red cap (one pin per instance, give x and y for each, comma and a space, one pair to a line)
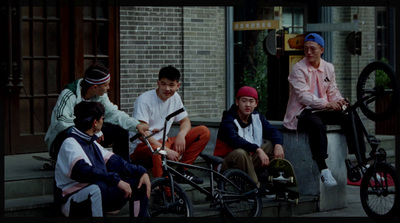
247, 91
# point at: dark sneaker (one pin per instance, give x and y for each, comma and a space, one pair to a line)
188, 175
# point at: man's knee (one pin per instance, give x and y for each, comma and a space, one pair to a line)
268, 147
203, 131
239, 155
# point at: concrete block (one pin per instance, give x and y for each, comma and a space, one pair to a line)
335, 197
297, 151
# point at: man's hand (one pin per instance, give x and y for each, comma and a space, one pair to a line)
334, 105
125, 188
179, 144
145, 179
263, 157
142, 128
278, 152
172, 155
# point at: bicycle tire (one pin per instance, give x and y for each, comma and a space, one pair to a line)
249, 206
379, 199
160, 202
377, 82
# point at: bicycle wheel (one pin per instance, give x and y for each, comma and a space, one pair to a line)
161, 204
379, 192
240, 197
378, 90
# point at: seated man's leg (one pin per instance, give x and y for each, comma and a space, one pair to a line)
114, 199
242, 160
140, 198
196, 140
118, 137
312, 124
143, 156
91, 192
268, 148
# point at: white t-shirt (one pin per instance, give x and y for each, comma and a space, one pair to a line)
149, 108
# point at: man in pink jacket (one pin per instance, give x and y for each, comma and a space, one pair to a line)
313, 87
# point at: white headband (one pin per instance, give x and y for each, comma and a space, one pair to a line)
98, 81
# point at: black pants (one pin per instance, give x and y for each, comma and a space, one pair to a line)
113, 134
314, 124
113, 198
118, 137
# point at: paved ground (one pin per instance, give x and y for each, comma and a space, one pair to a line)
353, 209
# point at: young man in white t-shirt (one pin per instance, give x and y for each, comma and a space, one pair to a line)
151, 108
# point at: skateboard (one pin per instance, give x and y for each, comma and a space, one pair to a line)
50, 165
283, 179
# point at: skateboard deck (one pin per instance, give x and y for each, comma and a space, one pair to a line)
283, 179
50, 165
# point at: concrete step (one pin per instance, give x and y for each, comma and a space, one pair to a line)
29, 193
388, 142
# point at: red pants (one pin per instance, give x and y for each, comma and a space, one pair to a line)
196, 140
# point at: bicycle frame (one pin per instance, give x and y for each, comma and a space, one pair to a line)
358, 125
169, 172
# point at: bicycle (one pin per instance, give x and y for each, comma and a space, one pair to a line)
233, 191
380, 185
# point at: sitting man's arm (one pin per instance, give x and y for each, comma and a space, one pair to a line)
180, 142
275, 136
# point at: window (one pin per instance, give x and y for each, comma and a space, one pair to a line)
293, 19
382, 34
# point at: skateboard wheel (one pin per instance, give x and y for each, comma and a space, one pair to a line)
270, 179
291, 180
296, 201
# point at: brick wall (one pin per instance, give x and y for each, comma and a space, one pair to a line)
347, 66
189, 38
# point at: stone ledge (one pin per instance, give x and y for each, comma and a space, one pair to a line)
297, 151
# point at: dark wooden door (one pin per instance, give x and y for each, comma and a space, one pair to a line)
46, 47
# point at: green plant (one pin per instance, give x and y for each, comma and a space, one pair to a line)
256, 76
381, 78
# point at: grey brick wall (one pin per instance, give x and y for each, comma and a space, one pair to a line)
189, 38
193, 40
348, 67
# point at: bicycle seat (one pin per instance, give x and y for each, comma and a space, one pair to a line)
214, 160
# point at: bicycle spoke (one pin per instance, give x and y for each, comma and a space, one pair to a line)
379, 195
378, 91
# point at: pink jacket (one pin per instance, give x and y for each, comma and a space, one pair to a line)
302, 85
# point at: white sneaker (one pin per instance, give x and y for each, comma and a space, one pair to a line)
327, 178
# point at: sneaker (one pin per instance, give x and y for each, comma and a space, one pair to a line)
327, 178
188, 175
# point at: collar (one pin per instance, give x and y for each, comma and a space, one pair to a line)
83, 135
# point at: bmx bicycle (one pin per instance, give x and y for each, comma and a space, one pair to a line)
234, 191
380, 185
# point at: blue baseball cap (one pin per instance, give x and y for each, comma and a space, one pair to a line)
315, 38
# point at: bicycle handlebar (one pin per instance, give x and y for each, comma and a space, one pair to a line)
138, 135
175, 113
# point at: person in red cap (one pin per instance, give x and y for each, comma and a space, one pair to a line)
241, 137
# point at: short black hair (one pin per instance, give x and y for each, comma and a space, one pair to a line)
169, 72
86, 112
